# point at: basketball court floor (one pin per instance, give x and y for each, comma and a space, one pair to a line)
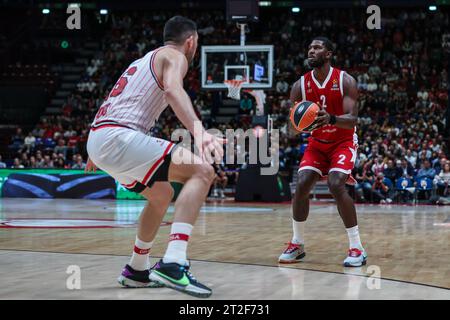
233, 249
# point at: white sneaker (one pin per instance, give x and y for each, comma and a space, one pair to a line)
388, 200
293, 253
382, 201
355, 258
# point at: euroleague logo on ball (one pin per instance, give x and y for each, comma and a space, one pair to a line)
300, 109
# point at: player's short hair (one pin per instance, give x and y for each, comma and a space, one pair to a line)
326, 42
177, 29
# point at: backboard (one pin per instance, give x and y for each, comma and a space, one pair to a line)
254, 63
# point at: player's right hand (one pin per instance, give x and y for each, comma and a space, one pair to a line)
323, 118
210, 147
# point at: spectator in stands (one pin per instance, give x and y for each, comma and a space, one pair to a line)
426, 171
17, 140
442, 181
38, 131
282, 86
69, 132
79, 164
392, 172
24, 160
32, 163
2, 164
439, 163
92, 68
379, 165
61, 147
380, 189
411, 158
72, 161
48, 162
29, 142
246, 104
424, 150
422, 94
372, 85
39, 160
365, 178
72, 143
421, 160
60, 163
54, 157
220, 182
16, 164
407, 170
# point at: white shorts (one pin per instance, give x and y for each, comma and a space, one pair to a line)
131, 157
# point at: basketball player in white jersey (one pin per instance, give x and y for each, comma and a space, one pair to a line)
118, 144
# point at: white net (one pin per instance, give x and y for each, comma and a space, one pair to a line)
234, 88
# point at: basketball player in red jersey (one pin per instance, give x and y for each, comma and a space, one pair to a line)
331, 149
119, 144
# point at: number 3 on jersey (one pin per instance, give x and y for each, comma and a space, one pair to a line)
122, 82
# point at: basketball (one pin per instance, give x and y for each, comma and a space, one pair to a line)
303, 116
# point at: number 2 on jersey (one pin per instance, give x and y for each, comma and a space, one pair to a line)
323, 100
341, 159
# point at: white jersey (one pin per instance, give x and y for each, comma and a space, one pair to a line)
136, 100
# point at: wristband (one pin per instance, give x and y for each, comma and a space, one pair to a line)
332, 119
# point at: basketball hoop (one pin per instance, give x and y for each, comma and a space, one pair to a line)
234, 88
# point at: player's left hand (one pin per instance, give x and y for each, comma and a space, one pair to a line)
90, 166
323, 118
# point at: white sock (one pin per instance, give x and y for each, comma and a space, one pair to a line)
139, 259
178, 241
353, 238
299, 229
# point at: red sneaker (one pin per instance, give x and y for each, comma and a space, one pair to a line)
293, 253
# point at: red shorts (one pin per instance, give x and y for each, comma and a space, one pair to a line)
327, 157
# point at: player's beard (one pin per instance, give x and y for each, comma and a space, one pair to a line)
317, 63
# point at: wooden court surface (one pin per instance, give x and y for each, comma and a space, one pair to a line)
234, 249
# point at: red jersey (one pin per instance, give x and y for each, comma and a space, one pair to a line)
331, 94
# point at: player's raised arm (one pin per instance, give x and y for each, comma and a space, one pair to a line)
350, 117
